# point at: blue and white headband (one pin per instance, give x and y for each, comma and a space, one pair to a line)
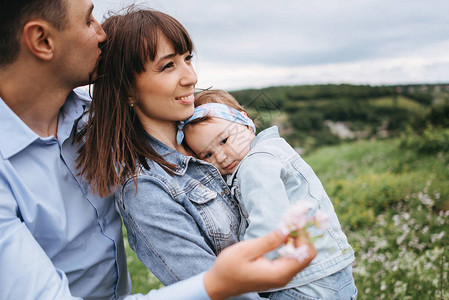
216, 110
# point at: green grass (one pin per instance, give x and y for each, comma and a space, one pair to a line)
399, 101
393, 204
142, 279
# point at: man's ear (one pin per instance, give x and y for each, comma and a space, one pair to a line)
36, 35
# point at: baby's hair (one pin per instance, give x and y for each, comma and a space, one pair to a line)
215, 96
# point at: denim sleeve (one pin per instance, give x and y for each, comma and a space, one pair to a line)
164, 234
25, 269
263, 193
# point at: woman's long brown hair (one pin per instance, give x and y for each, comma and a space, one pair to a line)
115, 143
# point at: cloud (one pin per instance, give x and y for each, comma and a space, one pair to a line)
383, 71
298, 41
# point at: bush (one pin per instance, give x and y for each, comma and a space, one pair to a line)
431, 141
393, 205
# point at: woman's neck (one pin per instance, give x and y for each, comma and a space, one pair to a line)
165, 132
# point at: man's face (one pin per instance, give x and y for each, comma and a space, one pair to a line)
77, 51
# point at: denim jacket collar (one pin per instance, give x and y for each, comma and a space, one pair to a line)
170, 155
268, 133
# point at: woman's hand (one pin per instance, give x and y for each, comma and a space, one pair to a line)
242, 268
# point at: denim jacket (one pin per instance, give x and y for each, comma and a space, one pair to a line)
272, 177
178, 224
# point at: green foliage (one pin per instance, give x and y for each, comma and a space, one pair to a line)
439, 115
307, 120
430, 141
393, 204
370, 111
391, 195
142, 279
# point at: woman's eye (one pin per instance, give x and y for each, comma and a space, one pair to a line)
189, 57
224, 141
208, 155
167, 66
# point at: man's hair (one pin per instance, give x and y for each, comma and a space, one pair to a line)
215, 96
14, 14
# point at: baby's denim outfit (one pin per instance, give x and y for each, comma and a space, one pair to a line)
177, 224
271, 178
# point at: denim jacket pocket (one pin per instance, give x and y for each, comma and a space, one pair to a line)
216, 215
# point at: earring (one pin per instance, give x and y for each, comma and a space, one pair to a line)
131, 101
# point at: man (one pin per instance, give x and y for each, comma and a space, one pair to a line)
58, 240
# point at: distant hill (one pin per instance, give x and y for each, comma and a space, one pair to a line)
310, 116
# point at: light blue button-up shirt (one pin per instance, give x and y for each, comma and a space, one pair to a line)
57, 239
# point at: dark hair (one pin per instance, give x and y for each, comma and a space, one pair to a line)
215, 96
115, 145
14, 14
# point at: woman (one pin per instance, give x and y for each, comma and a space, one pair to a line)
177, 209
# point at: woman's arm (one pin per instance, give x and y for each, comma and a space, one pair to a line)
165, 236
242, 267
238, 269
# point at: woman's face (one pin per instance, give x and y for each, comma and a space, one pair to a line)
164, 92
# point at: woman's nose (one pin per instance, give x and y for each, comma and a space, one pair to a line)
188, 76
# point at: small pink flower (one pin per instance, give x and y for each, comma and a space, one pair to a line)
295, 222
320, 220
296, 217
299, 253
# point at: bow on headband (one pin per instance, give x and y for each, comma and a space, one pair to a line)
216, 110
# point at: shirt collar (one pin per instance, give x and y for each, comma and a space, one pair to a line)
15, 135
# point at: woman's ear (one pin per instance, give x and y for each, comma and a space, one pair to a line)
131, 101
36, 35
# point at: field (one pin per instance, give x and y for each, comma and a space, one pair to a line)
394, 206
388, 181
393, 203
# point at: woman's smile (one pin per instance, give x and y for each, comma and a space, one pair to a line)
186, 99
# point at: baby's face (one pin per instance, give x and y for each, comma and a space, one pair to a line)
220, 142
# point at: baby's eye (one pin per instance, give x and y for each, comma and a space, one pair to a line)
208, 155
224, 141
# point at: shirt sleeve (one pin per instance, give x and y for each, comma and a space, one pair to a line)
164, 234
189, 289
26, 272
263, 193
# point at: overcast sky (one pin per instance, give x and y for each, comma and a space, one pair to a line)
259, 43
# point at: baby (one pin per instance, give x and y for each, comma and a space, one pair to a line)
267, 177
